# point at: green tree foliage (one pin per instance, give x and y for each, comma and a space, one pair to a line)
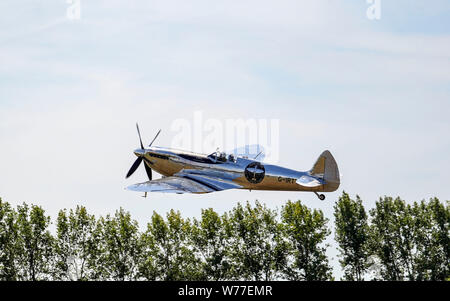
352, 236
306, 231
77, 249
392, 238
411, 242
257, 248
35, 252
168, 253
432, 242
9, 243
211, 244
121, 247
402, 242
440, 239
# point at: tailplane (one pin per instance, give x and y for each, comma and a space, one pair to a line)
326, 168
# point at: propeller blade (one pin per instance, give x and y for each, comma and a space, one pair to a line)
154, 138
149, 171
134, 167
139, 133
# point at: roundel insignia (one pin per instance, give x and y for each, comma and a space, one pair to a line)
254, 172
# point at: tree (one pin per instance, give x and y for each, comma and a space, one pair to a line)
352, 236
392, 238
431, 240
76, 248
36, 243
306, 231
257, 249
168, 254
121, 251
9, 247
399, 241
441, 239
210, 242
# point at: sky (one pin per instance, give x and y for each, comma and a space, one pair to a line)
376, 93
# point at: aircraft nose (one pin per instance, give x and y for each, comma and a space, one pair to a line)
139, 152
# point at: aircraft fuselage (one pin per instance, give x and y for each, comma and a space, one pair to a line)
247, 173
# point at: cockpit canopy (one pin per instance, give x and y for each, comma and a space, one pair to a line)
251, 151
221, 157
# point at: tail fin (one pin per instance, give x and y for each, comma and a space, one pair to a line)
326, 168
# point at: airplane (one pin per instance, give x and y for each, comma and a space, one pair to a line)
188, 172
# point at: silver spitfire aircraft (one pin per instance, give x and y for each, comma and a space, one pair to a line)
187, 172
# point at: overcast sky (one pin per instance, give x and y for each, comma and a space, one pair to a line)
376, 93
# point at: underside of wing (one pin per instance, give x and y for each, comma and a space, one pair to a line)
185, 183
171, 185
214, 183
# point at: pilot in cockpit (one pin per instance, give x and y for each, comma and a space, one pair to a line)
231, 158
222, 157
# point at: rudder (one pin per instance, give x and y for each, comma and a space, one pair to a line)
326, 168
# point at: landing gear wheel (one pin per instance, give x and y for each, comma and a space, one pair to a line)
320, 196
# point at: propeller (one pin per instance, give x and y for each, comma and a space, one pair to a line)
134, 167
140, 153
139, 133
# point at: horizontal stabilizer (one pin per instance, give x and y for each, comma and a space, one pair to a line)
308, 181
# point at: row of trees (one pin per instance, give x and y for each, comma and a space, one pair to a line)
400, 241
396, 241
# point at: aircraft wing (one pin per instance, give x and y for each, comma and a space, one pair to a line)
184, 183
308, 181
